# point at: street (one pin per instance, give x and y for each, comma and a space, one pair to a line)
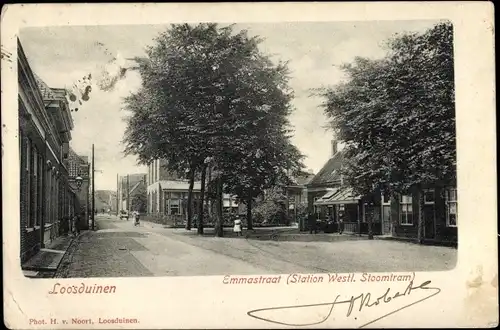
119, 249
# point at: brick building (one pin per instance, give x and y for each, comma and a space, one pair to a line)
429, 214
45, 125
167, 194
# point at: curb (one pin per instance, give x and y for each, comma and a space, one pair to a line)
73, 241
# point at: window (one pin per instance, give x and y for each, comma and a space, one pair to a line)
406, 214
291, 202
29, 183
34, 188
386, 198
40, 189
451, 207
429, 197
174, 206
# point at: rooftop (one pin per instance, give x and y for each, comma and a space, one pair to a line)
45, 90
178, 185
330, 173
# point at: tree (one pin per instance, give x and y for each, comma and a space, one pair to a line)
268, 162
271, 207
210, 96
397, 115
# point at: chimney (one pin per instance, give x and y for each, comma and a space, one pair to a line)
334, 147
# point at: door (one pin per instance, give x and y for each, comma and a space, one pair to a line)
429, 214
386, 220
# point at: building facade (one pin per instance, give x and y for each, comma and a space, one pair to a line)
296, 196
79, 166
45, 125
330, 198
128, 187
167, 194
427, 215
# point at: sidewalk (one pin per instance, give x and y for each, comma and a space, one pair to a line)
47, 260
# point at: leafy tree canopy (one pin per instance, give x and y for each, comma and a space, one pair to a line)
209, 93
396, 115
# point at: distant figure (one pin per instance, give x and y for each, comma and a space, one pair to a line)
136, 217
237, 227
303, 220
341, 222
75, 227
312, 224
195, 220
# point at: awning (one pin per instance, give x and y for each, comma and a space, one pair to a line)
339, 196
323, 199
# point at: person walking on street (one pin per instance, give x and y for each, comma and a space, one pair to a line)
75, 227
237, 227
195, 221
136, 217
312, 224
341, 222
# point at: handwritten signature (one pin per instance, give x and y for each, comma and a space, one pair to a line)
364, 300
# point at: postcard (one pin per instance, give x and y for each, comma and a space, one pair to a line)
249, 165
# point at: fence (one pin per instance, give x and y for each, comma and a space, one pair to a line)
178, 221
166, 220
354, 227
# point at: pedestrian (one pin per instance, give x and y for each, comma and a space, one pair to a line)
312, 224
75, 228
237, 227
136, 216
195, 221
341, 222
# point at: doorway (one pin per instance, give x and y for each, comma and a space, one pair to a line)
386, 219
429, 214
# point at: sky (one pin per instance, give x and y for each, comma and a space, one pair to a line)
63, 55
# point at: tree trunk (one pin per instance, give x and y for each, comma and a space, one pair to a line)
219, 227
209, 201
202, 198
249, 214
370, 222
190, 200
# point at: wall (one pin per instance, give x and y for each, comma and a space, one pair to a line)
83, 196
442, 231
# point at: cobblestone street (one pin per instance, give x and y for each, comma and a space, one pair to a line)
119, 249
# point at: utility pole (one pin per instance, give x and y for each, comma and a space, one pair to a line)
93, 190
128, 194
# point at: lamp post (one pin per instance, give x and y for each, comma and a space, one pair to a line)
93, 188
79, 182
